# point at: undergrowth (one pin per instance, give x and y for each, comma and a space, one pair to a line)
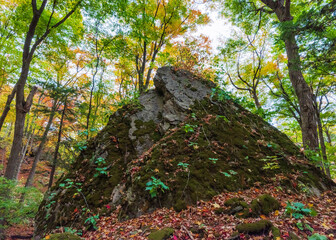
12, 210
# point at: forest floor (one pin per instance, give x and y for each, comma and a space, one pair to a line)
202, 222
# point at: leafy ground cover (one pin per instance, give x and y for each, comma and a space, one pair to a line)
202, 221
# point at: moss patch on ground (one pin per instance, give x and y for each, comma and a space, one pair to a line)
63, 236
162, 234
260, 227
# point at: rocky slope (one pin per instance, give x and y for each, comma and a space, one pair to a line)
183, 141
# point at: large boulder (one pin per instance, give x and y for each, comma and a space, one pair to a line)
183, 141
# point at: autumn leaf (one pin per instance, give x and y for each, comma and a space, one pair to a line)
215, 205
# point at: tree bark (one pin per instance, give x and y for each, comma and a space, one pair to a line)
24, 150
256, 100
31, 175
7, 107
328, 136
53, 169
303, 93
322, 143
22, 107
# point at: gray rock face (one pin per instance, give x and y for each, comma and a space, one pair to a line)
168, 104
180, 90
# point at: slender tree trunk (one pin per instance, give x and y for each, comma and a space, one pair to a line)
28, 125
29, 150
303, 93
328, 136
10, 130
256, 100
30, 178
24, 150
7, 107
91, 96
322, 143
53, 168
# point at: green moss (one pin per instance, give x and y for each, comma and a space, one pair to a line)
180, 205
293, 236
264, 204
64, 236
262, 226
234, 202
276, 233
161, 234
235, 236
219, 211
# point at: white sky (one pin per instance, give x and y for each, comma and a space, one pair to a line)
218, 30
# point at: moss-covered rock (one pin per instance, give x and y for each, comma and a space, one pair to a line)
234, 202
237, 206
276, 233
264, 204
260, 227
63, 236
162, 234
196, 144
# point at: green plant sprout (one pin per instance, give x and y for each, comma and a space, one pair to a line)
231, 172
183, 165
92, 220
271, 162
189, 128
191, 144
214, 160
154, 185
298, 210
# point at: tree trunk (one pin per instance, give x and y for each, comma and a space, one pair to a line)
90, 101
256, 100
10, 130
53, 169
40, 148
303, 93
24, 150
322, 143
22, 107
301, 88
328, 136
7, 107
